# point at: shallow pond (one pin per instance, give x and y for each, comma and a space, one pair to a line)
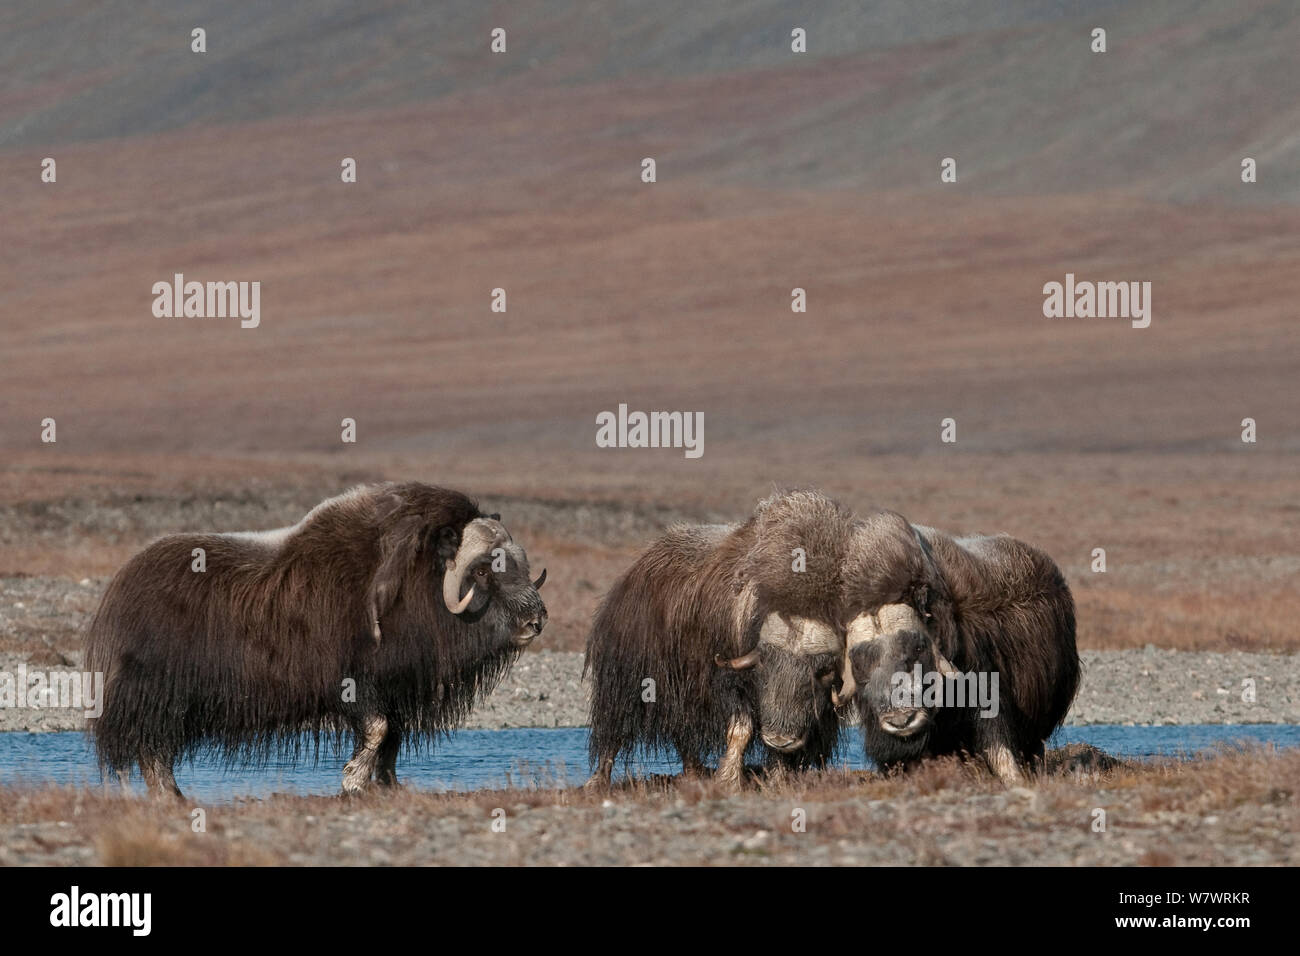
478, 759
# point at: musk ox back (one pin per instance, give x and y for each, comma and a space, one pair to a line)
956, 645
385, 612
710, 626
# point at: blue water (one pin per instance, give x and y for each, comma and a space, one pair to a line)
482, 759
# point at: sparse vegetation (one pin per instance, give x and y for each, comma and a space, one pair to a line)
1238, 806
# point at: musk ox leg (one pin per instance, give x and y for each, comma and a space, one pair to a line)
692, 765
1002, 761
601, 778
158, 777
739, 733
358, 770
386, 768
1038, 762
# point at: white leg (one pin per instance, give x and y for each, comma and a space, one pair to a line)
1004, 763
739, 732
358, 770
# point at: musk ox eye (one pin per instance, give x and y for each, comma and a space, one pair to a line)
481, 572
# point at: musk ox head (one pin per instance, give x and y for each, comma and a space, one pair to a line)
788, 587
797, 662
486, 579
898, 622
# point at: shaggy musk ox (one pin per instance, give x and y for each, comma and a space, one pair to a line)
921, 602
724, 625
385, 612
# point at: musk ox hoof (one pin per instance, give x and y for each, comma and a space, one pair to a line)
354, 787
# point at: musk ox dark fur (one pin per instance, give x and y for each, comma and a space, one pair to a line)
385, 612
956, 645
713, 625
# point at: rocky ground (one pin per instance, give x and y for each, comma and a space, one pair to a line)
1235, 808
1119, 687
1231, 809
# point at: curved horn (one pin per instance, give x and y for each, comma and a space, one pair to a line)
802, 635
541, 579
451, 585
744, 662
944, 665
479, 537
848, 686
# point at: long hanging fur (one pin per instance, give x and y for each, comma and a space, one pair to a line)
994, 604
1009, 611
662, 622
697, 592
248, 655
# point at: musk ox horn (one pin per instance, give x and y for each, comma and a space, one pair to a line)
861, 630
449, 587
541, 579
480, 537
945, 665
742, 663
801, 635
848, 686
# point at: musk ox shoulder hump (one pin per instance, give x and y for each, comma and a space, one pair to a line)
1009, 555
275, 538
798, 550
271, 539
884, 559
697, 535
682, 547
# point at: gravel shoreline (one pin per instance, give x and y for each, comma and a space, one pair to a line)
1235, 809
1132, 687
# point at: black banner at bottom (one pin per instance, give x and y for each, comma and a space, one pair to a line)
301, 905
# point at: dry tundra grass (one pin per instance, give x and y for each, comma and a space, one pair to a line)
1238, 805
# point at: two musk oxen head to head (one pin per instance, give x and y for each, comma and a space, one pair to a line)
862, 610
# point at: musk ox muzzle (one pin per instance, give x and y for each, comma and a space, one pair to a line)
996, 605
797, 662
885, 651
904, 722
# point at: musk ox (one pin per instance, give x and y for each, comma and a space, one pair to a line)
712, 626
385, 612
955, 645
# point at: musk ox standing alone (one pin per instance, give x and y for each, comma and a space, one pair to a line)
385, 612
969, 610
713, 625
